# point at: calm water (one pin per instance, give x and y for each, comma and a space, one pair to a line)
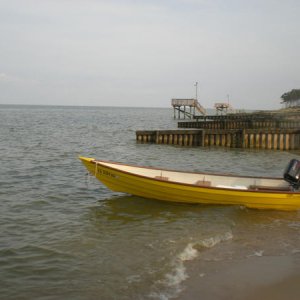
65, 236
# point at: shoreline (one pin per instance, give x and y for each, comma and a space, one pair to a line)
251, 278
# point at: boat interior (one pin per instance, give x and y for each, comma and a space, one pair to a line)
205, 180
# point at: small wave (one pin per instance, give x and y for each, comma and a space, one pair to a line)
179, 274
133, 278
188, 253
171, 284
174, 279
294, 225
213, 241
258, 253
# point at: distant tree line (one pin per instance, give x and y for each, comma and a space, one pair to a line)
291, 98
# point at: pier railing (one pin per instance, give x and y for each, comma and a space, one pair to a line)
183, 105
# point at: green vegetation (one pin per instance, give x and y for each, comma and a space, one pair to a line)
292, 97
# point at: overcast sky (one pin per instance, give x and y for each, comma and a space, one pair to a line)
143, 53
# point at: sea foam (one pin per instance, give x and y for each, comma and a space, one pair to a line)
174, 279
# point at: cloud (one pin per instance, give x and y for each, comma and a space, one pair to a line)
5, 78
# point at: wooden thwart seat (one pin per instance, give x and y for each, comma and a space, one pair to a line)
269, 188
203, 183
161, 178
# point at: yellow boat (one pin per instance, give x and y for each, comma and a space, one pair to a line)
188, 187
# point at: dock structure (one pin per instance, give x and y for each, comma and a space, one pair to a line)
232, 138
242, 124
171, 137
187, 108
222, 108
253, 131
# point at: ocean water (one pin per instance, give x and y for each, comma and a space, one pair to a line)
63, 235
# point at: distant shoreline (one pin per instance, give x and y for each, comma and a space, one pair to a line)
81, 106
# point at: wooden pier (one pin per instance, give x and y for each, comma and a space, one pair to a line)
187, 108
287, 139
172, 137
241, 124
276, 130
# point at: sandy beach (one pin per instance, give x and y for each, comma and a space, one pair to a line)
257, 277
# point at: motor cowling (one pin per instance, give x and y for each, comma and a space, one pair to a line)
292, 173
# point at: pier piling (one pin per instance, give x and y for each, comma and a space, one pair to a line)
232, 138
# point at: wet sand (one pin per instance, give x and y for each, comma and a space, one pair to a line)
251, 278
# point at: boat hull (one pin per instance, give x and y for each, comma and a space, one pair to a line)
120, 181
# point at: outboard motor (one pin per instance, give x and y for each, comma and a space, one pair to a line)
292, 173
